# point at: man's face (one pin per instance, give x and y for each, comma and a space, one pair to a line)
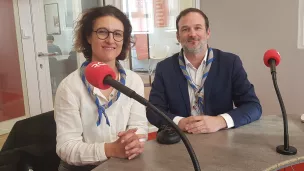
192, 33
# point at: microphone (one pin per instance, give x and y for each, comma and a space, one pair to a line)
101, 76
272, 58
95, 73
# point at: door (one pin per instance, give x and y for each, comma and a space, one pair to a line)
47, 40
52, 27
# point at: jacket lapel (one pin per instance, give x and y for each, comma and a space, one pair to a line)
183, 85
209, 81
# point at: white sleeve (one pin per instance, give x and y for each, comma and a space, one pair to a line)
228, 119
138, 117
176, 119
70, 146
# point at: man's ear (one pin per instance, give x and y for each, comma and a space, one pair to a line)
208, 33
177, 36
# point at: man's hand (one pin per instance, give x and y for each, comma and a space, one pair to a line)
205, 124
183, 122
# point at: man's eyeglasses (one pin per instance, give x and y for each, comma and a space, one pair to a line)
103, 34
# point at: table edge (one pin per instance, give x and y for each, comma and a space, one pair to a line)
285, 163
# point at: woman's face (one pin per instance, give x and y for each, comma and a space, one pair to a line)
106, 39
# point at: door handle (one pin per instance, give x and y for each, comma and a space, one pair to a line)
41, 54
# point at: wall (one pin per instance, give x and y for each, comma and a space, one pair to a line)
301, 25
248, 29
11, 94
10, 78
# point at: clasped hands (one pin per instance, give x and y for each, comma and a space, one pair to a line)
202, 124
128, 145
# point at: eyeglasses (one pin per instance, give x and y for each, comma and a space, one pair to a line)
103, 34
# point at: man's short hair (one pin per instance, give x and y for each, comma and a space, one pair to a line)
50, 37
188, 10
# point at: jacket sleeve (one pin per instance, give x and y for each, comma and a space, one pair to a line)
248, 108
158, 99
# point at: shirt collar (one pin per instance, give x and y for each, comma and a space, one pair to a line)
187, 63
97, 90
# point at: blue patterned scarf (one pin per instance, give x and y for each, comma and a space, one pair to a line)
199, 91
102, 108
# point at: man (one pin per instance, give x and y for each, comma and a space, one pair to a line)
51, 47
198, 87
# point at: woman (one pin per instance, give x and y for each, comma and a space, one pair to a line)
85, 136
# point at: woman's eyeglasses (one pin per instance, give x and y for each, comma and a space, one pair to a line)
103, 34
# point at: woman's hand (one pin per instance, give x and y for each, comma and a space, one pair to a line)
128, 145
134, 143
115, 149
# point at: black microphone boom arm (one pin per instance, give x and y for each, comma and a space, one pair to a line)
282, 149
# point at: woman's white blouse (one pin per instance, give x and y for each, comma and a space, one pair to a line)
79, 140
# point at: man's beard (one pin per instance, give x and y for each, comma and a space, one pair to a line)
199, 48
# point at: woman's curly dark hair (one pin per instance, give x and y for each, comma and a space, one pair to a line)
84, 29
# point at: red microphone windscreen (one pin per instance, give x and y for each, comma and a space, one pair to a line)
95, 73
272, 54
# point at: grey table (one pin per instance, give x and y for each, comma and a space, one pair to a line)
251, 147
